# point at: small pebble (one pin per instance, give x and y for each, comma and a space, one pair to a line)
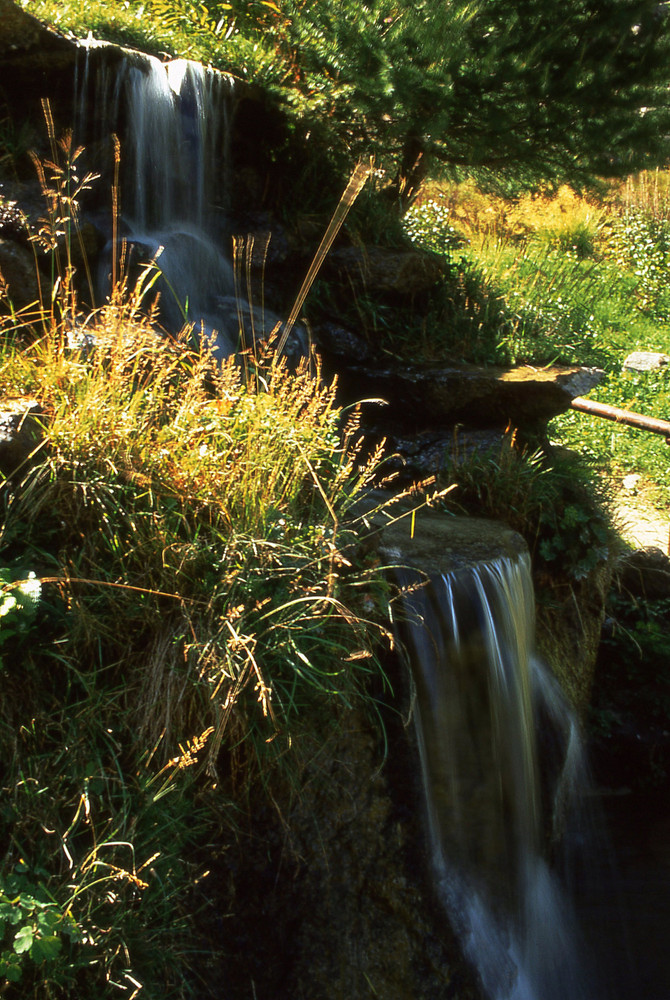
630, 481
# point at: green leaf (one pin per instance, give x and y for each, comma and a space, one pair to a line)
45, 948
23, 939
16, 915
13, 973
72, 929
47, 919
10, 967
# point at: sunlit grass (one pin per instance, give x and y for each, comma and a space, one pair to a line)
571, 280
184, 30
200, 587
190, 531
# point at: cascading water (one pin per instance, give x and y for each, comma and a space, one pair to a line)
469, 639
175, 122
174, 118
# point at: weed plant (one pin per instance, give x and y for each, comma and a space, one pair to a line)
553, 503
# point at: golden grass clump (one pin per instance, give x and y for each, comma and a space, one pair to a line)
554, 217
647, 192
189, 496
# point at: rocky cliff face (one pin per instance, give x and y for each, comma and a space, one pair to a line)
35, 63
329, 894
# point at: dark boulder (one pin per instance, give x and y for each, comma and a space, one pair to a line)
18, 276
645, 573
381, 271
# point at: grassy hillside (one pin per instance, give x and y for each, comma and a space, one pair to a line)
565, 279
185, 585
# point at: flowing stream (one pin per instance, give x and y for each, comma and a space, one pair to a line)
498, 798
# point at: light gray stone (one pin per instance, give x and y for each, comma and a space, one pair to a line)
645, 361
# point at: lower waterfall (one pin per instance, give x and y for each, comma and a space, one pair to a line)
494, 802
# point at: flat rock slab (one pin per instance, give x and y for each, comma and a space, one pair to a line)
477, 397
437, 543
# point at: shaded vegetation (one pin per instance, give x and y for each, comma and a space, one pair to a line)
630, 708
552, 502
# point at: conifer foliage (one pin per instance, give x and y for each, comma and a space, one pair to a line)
536, 90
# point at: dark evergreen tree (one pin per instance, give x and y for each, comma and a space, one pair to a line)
538, 90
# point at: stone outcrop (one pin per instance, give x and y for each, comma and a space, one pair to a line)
569, 617
23, 36
425, 414
569, 624
35, 63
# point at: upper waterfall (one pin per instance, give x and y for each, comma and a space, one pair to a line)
174, 117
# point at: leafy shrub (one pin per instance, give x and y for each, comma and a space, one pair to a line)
551, 502
32, 925
428, 225
574, 537
642, 243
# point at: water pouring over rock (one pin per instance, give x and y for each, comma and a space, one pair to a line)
468, 632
